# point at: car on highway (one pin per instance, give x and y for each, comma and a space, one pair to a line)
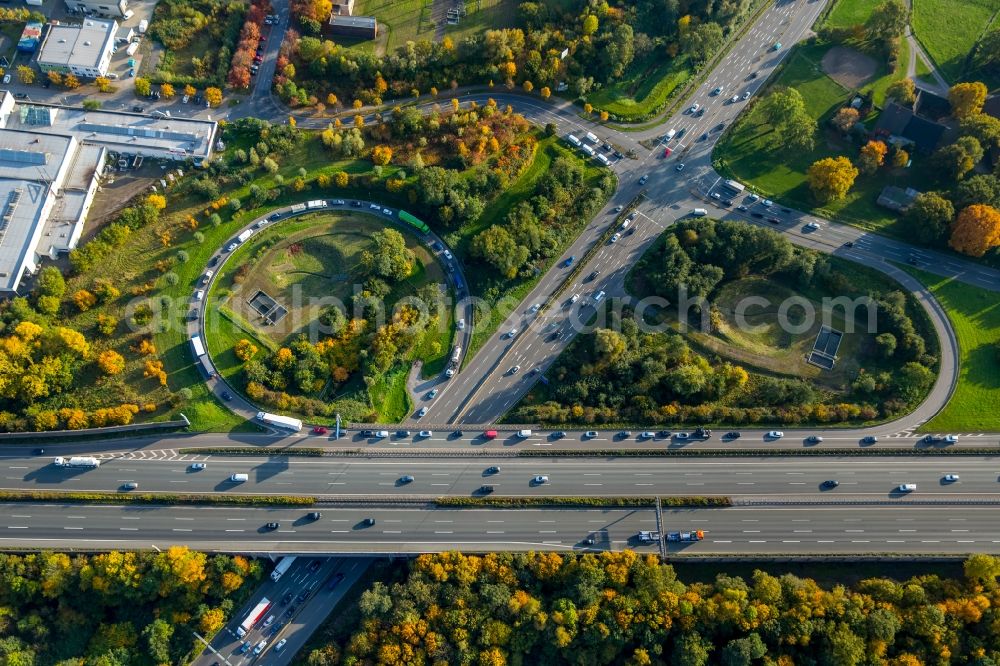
534, 371
574, 298
460, 325
642, 181
514, 370
540, 479
869, 439
433, 394
590, 434
906, 487
285, 600
244, 648
746, 96
742, 208
314, 515
624, 434
335, 581
593, 274
406, 478
534, 308
757, 215
425, 433
368, 522
619, 209
512, 333
766, 203
320, 430
616, 237
195, 467
682, 436
625, 224
726, 202
303, 595
130, 485
381, 434
694, 108
734, 99
773, 220
260, 647
752, 76
569, 261
717, 91
664, 434
647, 434
774, 434
272, 525
813, 439
667, 152
812, 226
830, 483
280, 645
402, 433
495, 469
558, 434
951, 478
421, 412
680, 167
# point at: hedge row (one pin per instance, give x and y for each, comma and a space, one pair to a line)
733, 453
519, 502
151, 498
252, 451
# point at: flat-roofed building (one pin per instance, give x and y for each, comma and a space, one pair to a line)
51, 159
83, 50
98, 7
352, 26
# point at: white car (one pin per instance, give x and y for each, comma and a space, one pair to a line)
575, 298
694, 108
619, 209
616, 238
382, 433
197, 466
746, 95
512, 333
375, 206
766, 203
951, 439
647, 434
951, 478
426, 433
260, 647
590, 434
680, 167
461, 324
534, 308
906, 487
734, 99
625, 224
280, 645
447, 255
540, 479
387, 211
421, 412
812, 226
432, 394
682, 436
450, 372
599, 296
775, 434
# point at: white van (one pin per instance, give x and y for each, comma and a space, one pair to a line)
524, 434
699, 212
239, 478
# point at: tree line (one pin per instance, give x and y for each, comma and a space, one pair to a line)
623, 608
117, 608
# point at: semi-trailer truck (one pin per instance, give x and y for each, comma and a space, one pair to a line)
282, 567
253, 618
77, 461
279, 421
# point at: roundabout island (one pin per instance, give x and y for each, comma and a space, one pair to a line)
321, 308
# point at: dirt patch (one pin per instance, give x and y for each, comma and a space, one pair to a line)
848, 67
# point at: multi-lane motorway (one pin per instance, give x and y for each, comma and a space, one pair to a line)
817, 530
772, 478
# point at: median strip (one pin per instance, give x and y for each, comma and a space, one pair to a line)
153, 498
583, 502
252, 451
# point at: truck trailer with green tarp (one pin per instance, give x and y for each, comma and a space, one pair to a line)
413, 221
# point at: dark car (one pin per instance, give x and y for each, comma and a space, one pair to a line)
272, 526
786, 210
285, 600
727, 202
291, 611
368, 522
213, 261
664, 434
227, 396
553, 336
913, 261
849, 244
757, 215
559, 434
703, 137
593, 275
137, 109
303, 595
753, 75
774, 220
314, 515
38, 452
335, 581
485, 489
356, 204
831, 483
733, 434
20, 95
457, 433
402, 433
719, 127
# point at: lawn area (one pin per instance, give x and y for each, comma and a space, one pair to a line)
975, 315
847, 13
483, 15
400, 21
644, 90
747, 152
948, 29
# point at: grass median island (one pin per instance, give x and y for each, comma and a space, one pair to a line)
645, 91
153, 498
974, 314
738, 354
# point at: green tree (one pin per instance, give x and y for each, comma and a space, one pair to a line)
498, 247
609, 345
142, 87
929, 217
785, 111
982, 188
957, 159
888, 20
903, 91
388, 257
157, 635
50, 282
702, 42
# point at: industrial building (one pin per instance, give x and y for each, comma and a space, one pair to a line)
365, 27
113, 8
83, 50
51, 160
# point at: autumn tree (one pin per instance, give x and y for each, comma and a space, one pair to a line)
342, 178
190, 90
245, 350
872, 156
25, 74
84, 300
111, 362
900, 158
929, 217
845, 119
967, 99
545, 92
381, 155
213, 96
976, 230
103, 84
70, 82
903, 91
142, 87
831, 177
167, 91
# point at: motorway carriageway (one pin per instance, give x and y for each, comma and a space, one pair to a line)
871, 478
732, 531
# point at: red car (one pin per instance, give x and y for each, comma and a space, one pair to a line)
320, 430
667, 152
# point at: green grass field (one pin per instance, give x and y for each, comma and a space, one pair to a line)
975, 316
747, 153
400, 21
483, 15
850, 12
644, 89
948, 29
